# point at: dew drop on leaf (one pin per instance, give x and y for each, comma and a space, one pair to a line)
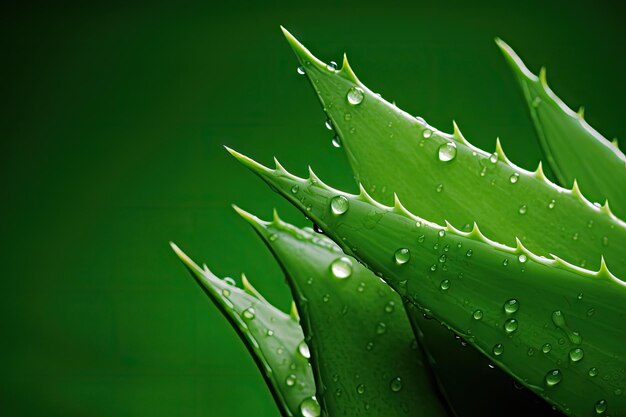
522, 258
226, 292
498, 349
477, 315
427, 133
402, 256
600, 407
249, 313
381, 328
360, 389
339, 205
329, 124
514, 178
396, 384
331, 66
336, 142
303, 348
510, 325
553, 377
341, 267
390, 306
300, 70
355, 96
447, 152
576, 354
551, 204
439, 188
593, 372
291, 379
469, 253
546, 348
523, 209
511, 306
309, 407
445, 284
295, 189
229, 281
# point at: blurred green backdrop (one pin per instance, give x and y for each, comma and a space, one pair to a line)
114, 117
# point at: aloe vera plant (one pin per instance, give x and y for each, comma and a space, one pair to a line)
274, 338
439, 175
365, 358
539, 294
550, 324
572, 147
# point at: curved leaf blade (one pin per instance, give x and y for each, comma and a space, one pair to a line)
438, 174
271, 336
453, 275
574, 149
365, 358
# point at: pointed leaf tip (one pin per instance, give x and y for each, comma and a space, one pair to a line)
302, 53
250, 218
249, 162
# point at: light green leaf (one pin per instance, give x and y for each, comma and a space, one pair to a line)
557, 328
366, 361
444, 178
574, 149
272, 337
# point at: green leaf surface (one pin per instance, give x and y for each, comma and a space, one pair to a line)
574, 149
557, 328
444, 178
365, 358
273, 338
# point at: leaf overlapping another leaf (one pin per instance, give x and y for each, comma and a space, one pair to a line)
555, 327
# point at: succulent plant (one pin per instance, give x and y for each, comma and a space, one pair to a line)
444, 241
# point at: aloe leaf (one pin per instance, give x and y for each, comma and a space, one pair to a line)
273, 338
443, 177
573, 148
365, 358
557, 328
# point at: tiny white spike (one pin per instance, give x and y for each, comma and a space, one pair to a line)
581, 112
276, 219
313, 178
457, 133
294, 312
543, 77
500, 151
539, 172
279, 167
606, 208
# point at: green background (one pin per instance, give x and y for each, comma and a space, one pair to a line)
114, 118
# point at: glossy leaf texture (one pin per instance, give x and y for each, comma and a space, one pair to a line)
365, 358
443, 177
574, 149
557, 328
273, 338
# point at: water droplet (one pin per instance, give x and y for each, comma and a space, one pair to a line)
230, 281
433, 267
593, 372
332, 66
605, 241
396, 384
341, 267
389, 307
309, 407
360, 389
546, 348
421, 238
303, 348
498, 349
591, 311
511, 306
402, 256
505, 262
514, 178
249, 313
439, 188
329, 124
477, 315
576, 354
531, 351
510, 325
551, 204
469, 253
336, 141
575, 236
381, 328
270, 332
523, 209
445, 284
447, 152
600, 406
442, 258
427, 133
493, 158
355, 96
326, 297
295, 189
339, 204
553, 377
291, 379
522, 258
226, 292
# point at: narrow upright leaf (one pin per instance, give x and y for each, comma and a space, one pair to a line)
557, 328
272, 337
443, 177
574, 149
